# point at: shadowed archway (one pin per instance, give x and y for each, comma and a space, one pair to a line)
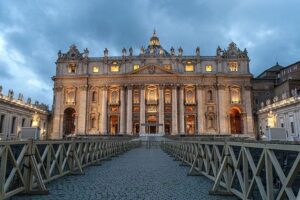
236, 121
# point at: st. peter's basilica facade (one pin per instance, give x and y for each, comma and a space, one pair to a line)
152, 92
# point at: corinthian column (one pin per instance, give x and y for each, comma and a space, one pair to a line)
129, 110
181, 110
222, 103
161, 116
104, 111
174, 111
81, 123
200, 109
142, 110
122, 111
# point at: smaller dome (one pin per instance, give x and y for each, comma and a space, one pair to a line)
154, 40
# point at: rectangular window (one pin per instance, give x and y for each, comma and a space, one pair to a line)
208, 68
292, 128
114, 68
95, 69
189, 67
2, 117
13, 123
281, 123
136, 67
233, 66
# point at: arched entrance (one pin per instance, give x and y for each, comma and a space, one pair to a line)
69, 121
236, 121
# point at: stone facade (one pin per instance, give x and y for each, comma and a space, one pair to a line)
155, 91
273, 92
283, 113
16, 113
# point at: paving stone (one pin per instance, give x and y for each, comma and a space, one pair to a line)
139, 174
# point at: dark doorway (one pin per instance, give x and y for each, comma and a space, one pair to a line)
69, 121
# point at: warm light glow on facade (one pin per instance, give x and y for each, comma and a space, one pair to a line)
136, 66
208, 68
271, 120
114, 68
233, 66
95, 69
168, 67
189, 67
35, 120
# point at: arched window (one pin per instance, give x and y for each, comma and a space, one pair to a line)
152, 94
94, 96
93, 122
209, 95
114, 96
190, 96
210, 122
72, 68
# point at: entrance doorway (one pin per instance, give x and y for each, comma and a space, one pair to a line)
236, 121
190, 125
113, 124
151, 124
69, 121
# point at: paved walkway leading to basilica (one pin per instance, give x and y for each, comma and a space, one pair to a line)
138, 174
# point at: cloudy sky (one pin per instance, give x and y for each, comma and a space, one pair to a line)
32, 31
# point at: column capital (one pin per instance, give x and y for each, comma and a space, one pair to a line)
200, 87
129, 87
161, 86
83, 87
142, 87
58, 88
221, 86
103, 87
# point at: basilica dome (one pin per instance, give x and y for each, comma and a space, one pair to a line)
154, 48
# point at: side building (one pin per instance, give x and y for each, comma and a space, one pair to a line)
153, 92
17, 113
276, 97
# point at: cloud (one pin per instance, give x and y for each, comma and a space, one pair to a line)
31, 32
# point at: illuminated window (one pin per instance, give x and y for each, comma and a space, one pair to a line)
208, 68
233, 66
114, 67
72, 68
70, 96
136, 66
235, 95
95, 69
168, 67
189, 67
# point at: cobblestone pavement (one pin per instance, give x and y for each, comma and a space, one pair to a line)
138, 174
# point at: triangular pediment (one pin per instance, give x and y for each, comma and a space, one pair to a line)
152, 69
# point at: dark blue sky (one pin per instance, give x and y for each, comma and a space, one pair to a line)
31, 32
